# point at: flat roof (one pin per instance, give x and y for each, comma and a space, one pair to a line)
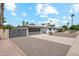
38, 26
35, 26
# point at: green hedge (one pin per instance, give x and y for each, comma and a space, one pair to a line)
74, 27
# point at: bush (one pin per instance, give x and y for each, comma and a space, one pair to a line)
65, 27
8, 26
74, 27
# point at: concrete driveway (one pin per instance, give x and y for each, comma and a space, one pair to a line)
38, 47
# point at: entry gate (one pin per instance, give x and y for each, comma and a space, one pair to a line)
17, 33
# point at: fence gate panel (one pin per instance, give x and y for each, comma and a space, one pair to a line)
17, 33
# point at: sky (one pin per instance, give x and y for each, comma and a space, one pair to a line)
38, 13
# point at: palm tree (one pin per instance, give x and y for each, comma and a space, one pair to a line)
4, 21
23, 23
72, 16
27, 23
1, 15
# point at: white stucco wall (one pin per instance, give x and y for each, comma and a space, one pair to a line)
4, 34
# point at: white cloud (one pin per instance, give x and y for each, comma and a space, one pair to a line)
64, 17
64, 21
43, 16
70, 11
55, 21
74, 8
51, 10
13, 13
24, 14
30, 8
32, 21
44, 1
39, 8
45, 9
10, 6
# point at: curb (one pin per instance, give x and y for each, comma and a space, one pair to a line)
19, 50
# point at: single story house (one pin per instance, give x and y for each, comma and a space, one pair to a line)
29, 30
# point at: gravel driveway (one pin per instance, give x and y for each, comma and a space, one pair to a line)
38, 47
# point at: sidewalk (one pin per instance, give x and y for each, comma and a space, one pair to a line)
74, 50
8, 48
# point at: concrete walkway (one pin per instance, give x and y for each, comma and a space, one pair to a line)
62, 40
8, 48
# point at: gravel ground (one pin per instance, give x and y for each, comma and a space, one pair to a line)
38, 47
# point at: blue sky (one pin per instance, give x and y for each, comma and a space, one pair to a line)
38, 13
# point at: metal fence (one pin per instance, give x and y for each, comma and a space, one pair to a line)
17, 33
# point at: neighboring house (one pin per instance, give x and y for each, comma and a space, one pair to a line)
1, 14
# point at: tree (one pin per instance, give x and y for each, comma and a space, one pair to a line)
77, 27
27, 23
4, 21
72, 16
73, 27
23, 23
65, 27
8, 26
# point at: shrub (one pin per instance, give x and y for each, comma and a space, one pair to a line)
65, 27
8, 26
74, 27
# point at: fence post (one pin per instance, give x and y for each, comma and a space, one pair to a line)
6, 33
27, 30
41, 30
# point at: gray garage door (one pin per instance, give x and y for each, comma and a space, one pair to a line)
34, 31
17, 33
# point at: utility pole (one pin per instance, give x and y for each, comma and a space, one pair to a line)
1, 14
